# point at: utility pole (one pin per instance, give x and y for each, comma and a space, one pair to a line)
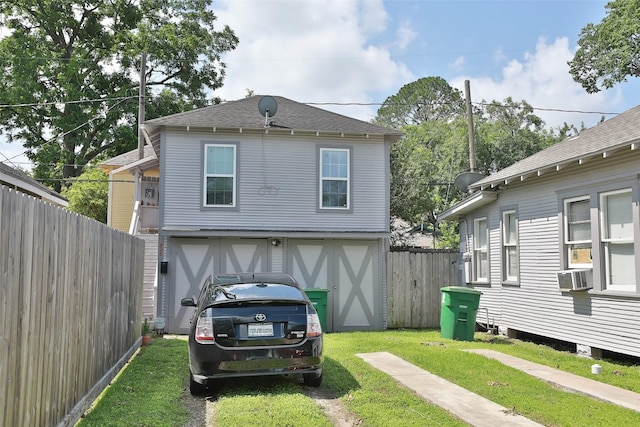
472, 149
137, 193
141, 101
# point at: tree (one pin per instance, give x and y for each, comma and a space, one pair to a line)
69, 69
507, 132
428, 98
425, 163
609, 52
89, 194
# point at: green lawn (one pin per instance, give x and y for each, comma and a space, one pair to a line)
151, 390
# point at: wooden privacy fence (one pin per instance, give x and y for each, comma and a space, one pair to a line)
414, 280
70, 307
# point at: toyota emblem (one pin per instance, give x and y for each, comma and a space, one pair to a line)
261, 317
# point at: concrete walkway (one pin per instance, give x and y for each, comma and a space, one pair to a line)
567, 381
467, 406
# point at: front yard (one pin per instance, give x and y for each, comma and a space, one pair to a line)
153, 389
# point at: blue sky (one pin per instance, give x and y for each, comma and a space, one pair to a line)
362, 51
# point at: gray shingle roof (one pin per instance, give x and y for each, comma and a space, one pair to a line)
128, 157
290, 114
7, 173
615, 133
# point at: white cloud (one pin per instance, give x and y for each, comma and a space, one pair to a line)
405, 35
309, 51
458, 64
542, 79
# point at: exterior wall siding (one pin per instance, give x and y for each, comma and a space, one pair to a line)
535, 305
275, 192
121, 207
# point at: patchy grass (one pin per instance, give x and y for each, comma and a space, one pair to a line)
151, 390
148, 392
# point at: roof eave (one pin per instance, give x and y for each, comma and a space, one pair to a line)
491, 184
471, 203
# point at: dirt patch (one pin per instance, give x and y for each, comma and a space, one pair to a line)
339, 415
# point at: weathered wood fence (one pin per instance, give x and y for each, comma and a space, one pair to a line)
70, 309
414, 279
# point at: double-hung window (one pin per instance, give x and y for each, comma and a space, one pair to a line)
577, 234
509, 246
480, 254
616, 234
335, 177
219, 175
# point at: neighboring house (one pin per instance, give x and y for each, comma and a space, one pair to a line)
19, 181
122, 189
133, 208
572, 206
304, 191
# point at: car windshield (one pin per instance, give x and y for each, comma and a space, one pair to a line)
268, 291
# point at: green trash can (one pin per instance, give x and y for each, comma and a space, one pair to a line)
458, 312
318, 297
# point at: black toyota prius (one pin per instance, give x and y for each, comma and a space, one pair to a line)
252, 324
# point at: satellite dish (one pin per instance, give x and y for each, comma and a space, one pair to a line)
267, 106
465, 179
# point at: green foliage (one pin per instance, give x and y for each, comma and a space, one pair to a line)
89, 194
428, 98
449, 237
506, 133
425, 164
71, 68
609, 52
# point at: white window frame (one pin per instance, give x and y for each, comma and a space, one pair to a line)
207, 175
479, 250
607, 241
568, 243
322, 179
509, 247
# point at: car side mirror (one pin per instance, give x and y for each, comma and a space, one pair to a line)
187, 302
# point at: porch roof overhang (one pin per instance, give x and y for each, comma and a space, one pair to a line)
469, 204
142, 164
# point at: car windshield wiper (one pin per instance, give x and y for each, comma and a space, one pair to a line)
226, 293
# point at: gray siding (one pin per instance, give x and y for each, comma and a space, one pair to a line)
598, 319
283, 162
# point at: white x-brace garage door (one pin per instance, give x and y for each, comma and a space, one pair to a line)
193, 260
350, 270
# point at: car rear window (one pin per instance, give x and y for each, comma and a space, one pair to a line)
274, 291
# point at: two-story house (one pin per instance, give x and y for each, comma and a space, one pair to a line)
553, 241
303, 191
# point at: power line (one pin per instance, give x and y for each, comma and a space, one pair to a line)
81, 101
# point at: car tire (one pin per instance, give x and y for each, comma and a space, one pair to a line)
313, 380
195, 387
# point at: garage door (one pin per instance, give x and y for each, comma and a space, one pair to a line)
350, 270
193, 260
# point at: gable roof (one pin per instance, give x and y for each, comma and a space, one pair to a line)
289, 115
18, 180
620, 132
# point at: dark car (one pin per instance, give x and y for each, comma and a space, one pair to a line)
251, 324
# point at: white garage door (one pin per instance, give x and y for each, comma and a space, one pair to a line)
350, 270
191, 261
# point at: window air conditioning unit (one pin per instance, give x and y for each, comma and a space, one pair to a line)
575, 280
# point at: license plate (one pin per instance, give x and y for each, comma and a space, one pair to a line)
260, 329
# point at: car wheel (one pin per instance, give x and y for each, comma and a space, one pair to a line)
313, 380
195, 387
